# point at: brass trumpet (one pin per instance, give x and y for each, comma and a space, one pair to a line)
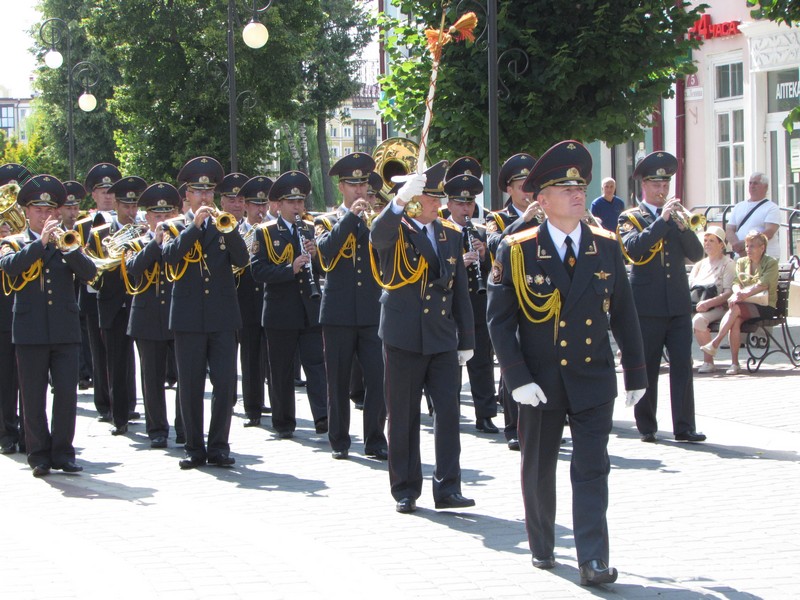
688, 219
224, 221
66, 241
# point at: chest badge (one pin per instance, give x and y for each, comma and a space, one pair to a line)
452, 260
602, 275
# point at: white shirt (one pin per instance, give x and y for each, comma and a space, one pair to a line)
559, 239
766, 213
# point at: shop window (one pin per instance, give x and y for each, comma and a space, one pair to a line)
730, 156
730, 81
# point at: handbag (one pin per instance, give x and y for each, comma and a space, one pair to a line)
698, 293
761, 298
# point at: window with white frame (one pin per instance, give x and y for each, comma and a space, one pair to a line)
729, 131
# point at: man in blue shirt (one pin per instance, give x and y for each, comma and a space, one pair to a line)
608, 207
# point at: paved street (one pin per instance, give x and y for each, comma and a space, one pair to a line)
713, 520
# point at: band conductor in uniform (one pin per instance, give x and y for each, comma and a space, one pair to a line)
554, 290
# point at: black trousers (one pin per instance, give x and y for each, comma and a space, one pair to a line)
85, 360
510, 411
254, 364
282, 345
342, 344
121, 367
102, 393
153, 356
480, 369
540, 434
11, 429
49, 445
405, 375
195, 353
674, 333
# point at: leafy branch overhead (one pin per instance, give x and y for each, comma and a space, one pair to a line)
596, 71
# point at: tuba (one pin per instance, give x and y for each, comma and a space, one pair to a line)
393, 157
10, 212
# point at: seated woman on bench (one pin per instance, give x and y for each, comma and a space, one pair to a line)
717, 269
755, 273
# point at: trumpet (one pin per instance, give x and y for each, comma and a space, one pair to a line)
66, 241
224, 221
538, 214
688, 219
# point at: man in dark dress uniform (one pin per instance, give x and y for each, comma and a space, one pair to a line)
427, 331
147, 282
461, 191
658, 245
351, 310
554, 290
519, 207
252, 338
99, 178
204, 315
46, 328
114, 302
291, 304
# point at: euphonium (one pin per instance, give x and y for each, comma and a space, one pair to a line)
10, 212
688, 219
224, 221
116, 244
66, 241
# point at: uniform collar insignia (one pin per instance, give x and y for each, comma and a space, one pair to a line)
540, 252
591, 250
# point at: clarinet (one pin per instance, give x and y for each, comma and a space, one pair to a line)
298, 221
469, 227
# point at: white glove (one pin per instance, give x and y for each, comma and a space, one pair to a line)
413, 186
464, 356
633, 396
530, 393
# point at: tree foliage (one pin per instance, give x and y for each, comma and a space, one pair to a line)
596, 70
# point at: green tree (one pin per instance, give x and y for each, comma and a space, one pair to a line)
597, 69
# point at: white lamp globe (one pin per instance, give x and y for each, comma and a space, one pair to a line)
87, 102
53, 59
255, 34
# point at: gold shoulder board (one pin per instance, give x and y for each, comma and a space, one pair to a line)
522, 236
599, 231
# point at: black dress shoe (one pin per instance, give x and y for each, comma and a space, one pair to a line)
253, 422
596, 572
134, 415
41, 470
486, 426
406, 505
191, 463
170, 383
104, 418
380, 454
513, 444
454, 501
120, 430
690, 436
84, 384
158, 442
69, 467
649, 438
321, 426
544, 563
299, 383
266, 410
339, 454
10, 448
222, 461
285, 435
180, 439
358, 403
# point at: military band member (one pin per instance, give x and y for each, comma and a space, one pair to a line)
518, 206
554, 290
204, 315
114, 303
46, 333
12, 431
252, 338
659, 245
427, 331
151, 293
351, 310
99, 178
230, 198
461, 191
291, 304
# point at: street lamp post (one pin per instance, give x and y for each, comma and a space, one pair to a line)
85, 71
255, 35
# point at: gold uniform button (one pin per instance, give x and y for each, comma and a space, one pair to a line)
563, 362
562, 323
444, 312
430, 285
205, 255
206, 291
563, 343
358, 257
358, 270
359, 283
50, 302
207, 279
667, 264
48, 281
222, 246
444, 298
426, 311
588, 359
47, 270
588, 341
49, 291
588, 321
427, 297
667, 275
163, 302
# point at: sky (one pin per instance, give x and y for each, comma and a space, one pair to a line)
17, 63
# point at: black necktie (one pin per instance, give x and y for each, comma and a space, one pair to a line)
658, 212
569, 257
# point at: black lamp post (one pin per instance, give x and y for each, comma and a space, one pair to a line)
52, 32
255, 35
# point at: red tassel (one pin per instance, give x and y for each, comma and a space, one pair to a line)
464, 28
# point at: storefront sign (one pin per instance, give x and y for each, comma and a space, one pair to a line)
693, 93
704, 29
783, 90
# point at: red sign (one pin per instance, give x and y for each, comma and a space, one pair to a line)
704, 29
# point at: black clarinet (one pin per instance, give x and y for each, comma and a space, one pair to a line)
298, 221
469, 227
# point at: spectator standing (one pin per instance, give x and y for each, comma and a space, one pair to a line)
758, 213
607, 208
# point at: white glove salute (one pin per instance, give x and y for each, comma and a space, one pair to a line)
530, 393
464, 356
633, 396
413, 186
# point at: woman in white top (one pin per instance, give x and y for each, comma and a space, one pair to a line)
717, 269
